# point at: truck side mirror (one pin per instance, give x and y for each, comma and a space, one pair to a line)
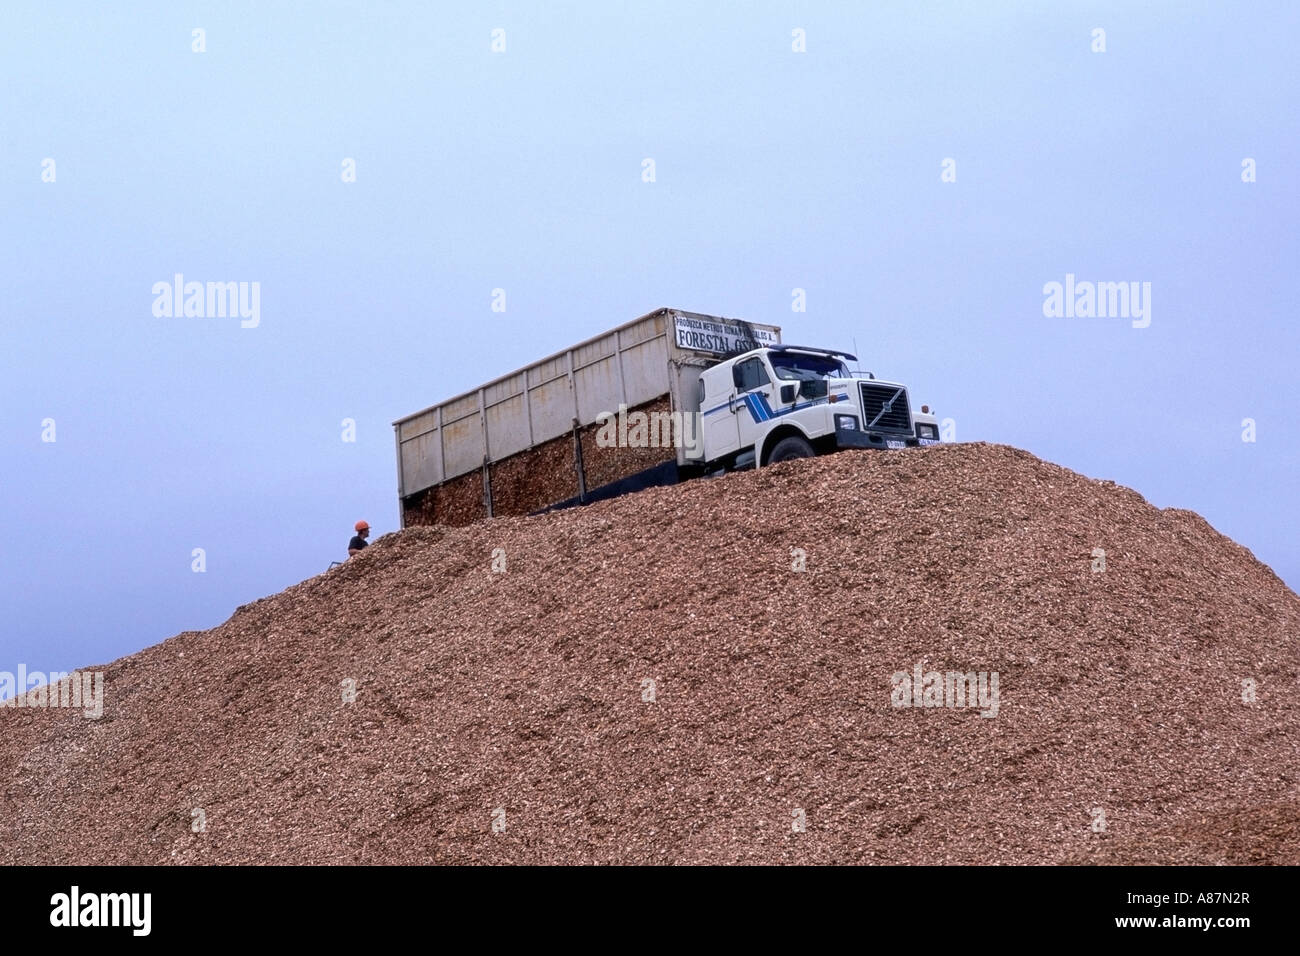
788, 393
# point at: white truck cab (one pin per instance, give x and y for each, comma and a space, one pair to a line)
784, 401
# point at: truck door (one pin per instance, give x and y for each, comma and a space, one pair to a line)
718, 410
753, 400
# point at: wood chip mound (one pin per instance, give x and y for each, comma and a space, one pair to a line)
651, 680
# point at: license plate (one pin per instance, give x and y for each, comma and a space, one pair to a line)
895, 444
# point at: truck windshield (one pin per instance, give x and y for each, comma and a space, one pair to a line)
793, 366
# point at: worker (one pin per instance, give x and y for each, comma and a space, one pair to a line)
359, 539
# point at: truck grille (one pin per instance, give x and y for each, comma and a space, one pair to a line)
886, 405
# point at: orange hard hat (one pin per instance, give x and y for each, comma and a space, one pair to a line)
362, 526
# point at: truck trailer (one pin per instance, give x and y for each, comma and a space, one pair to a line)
670, 396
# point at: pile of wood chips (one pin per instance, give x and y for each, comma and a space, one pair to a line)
709, 673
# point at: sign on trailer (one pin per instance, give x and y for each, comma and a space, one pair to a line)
723, 336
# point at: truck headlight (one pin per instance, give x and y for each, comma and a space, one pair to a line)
927, 430
848, 423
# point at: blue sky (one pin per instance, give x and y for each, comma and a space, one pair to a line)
521, 170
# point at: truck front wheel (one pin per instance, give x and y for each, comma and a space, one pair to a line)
790, 448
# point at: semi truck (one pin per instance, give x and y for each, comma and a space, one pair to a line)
667, 397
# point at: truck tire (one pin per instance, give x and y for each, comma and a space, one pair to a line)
789, 448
